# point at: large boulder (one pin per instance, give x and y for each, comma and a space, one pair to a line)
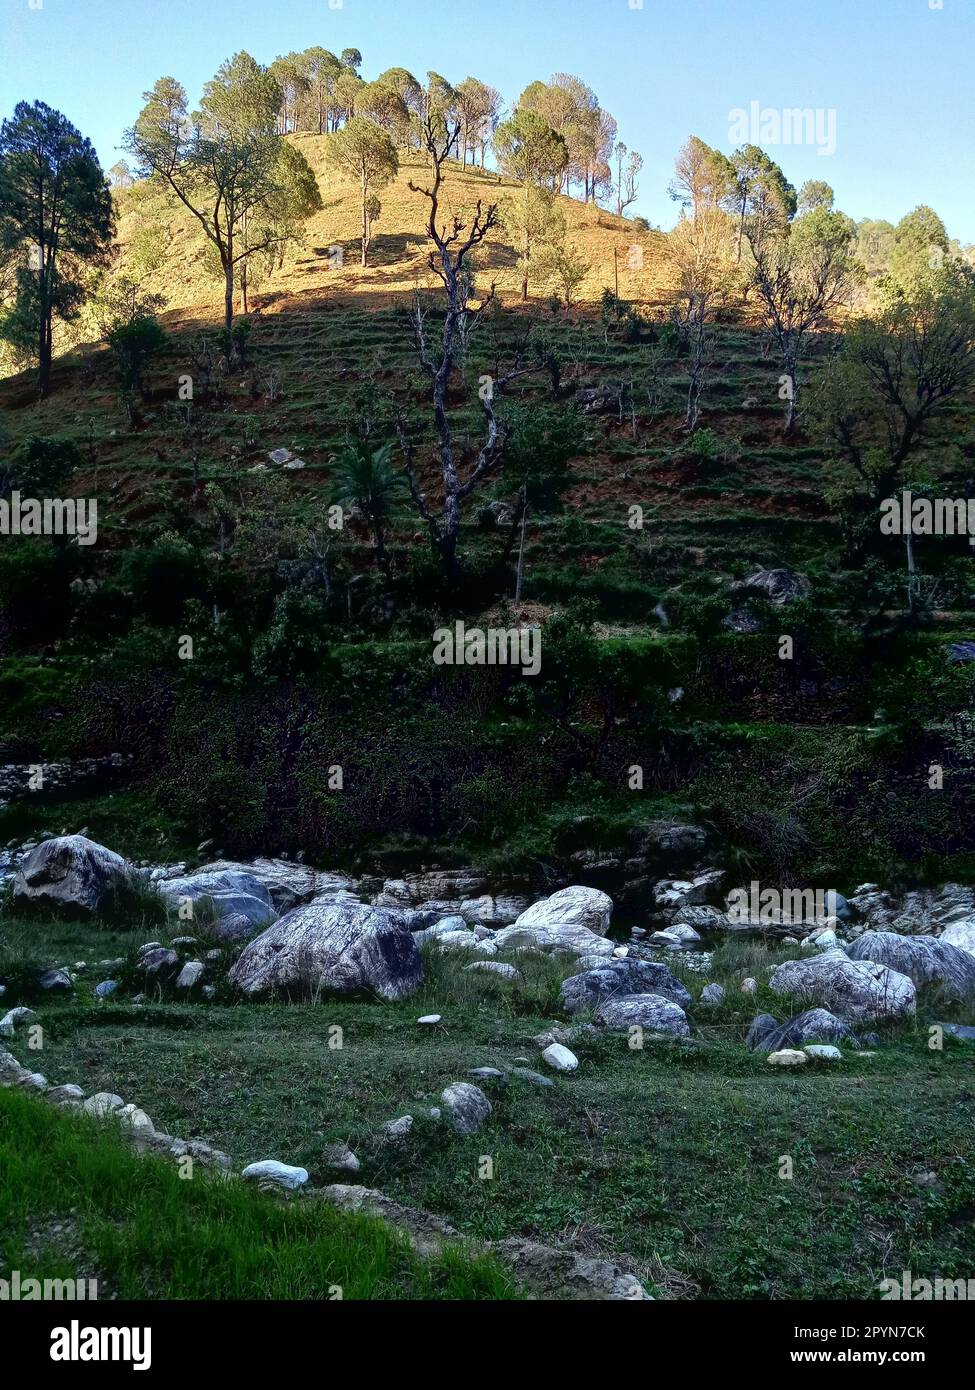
779, 585
616, 977
948, 911
854, 990
233, 892
340, 947
571, 907
928, 960
288, 882
649, 1011
70, 874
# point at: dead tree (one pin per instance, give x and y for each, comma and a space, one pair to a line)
453, 242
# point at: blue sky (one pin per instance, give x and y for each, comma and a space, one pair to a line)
897, 73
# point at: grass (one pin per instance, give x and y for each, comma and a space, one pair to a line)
76, 1202
667, 1158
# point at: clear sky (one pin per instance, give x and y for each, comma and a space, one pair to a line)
897, 74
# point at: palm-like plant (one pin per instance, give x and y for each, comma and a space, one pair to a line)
366, 478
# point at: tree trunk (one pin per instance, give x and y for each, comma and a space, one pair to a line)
228, 299
521, 548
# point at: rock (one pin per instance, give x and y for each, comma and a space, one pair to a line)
342, 947
671, 894
427, 1233
135, 1119
823, 1052
233, 893
453, 927
927, 960
672, 939
270, 1172
455, 941
466, 1107
712, 994
574, 940
55, 981
70, 874
65, 1095
106, 988
534, 1077
340, 1159
393, 1130
962, 1031
232, 928
564, 1274
497, 967
702, 919
649, 1011
780, 586
428, 1020
960, 935
568, 1035
8, 1024
208, 992
855, 990
788, 1057
761, 1028
102, 1103
190, 975
749, 985
570, 907
161, 962
815, 1025
923, 912
616, 977
559, 1058
486, 1073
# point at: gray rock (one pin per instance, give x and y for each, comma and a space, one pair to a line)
855, 990
616, 977
651, 1012
573, 939
340, 1159
190, 975
701, 918
570, 907
8, 1024
533, 1077
962, 1031
341, 947
271, 1173
161, 963
466, 1107
496, 967
815, 1025
394, 1130
564, 1274
712, 994
102, 1103
780, 586
106, 988
232, 892
927, 960
763, 1026
55, 981
71, 874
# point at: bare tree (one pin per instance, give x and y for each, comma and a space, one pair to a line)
453, 243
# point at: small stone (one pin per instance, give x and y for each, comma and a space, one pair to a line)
560, 1058
467, 1107
712, 994
496, 967
397, 1129
103, 1103
486, 1073
190, 974
270, 1171
209, 992
69, 1094
534, 1077
55, 981
341, 1159
788, 1057
135, 1119
823, 1052
429, 1019
749, 985
8, 1024
106, 988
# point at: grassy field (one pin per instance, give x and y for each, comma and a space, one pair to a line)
668, 1158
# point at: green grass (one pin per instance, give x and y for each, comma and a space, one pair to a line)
76, 1202
667, 1158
